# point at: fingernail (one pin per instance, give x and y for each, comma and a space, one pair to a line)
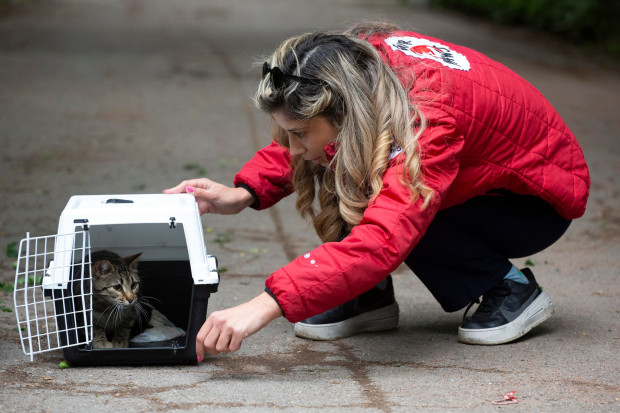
199, 359
189, 189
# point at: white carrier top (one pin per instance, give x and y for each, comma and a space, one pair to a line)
130, 209
161, 227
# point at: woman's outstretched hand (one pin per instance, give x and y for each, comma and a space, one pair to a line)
213, 197
224, 331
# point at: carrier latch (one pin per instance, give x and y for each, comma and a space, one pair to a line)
82, 221
172, 223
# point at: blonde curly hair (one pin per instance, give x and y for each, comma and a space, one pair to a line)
362, 97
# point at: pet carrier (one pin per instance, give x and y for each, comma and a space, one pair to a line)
53, 289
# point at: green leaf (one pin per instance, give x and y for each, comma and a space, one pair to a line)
194, 166
64, 365
529, 263
33, 281
11, 250
7, 287
222, 238
191, 166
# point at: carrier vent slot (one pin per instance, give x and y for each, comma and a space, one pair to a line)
118, 201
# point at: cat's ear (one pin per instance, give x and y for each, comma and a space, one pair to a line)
132, 260
102, 267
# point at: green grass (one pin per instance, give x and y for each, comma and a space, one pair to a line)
222, 238
11, 250
195, 167
592, 24
7, 287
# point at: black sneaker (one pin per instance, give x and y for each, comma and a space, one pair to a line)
507, 311
374, 310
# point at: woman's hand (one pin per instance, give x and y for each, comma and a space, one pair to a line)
213, 197
225, 330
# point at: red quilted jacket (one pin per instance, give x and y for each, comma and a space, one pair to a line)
487, 129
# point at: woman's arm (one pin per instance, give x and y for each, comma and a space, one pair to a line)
213, 197
267, 175
224, 331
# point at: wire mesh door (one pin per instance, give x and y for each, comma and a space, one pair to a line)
53, 292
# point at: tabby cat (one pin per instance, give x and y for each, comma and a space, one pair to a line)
118, 308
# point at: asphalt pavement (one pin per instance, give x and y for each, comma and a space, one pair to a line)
131, 97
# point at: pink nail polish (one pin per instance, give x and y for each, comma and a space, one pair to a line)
199, 358
189, 189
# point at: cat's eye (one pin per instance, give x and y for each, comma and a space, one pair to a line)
118, 287
134, 286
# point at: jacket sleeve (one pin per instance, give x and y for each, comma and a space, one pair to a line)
391, 226
267, 176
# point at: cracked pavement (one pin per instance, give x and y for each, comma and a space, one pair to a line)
104, 97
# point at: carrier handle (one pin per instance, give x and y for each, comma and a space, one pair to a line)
118, 201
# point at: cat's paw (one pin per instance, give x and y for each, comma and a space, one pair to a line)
101, 341
102, 344
120, 343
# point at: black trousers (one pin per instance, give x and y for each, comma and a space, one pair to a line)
466, 248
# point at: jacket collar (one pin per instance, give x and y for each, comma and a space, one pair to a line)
332, 147
330, 150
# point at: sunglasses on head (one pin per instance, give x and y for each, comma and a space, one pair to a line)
277, 77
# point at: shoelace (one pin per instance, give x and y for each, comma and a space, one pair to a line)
490, 300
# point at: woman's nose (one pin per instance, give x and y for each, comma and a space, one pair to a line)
295, 148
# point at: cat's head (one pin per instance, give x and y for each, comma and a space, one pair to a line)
116, 280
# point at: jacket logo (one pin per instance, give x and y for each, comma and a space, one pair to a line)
426, 49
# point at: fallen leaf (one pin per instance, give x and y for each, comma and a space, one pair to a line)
509, 398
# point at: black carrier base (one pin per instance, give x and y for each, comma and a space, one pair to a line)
171, 290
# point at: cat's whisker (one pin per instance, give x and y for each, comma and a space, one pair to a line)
143, 312
108, 309
105, 325
147, 298
114, 315
142, 315
138, 308
119, 315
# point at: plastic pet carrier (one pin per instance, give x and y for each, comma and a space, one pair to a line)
54, 289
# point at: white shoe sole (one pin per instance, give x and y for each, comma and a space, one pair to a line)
385, 318
537, 312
